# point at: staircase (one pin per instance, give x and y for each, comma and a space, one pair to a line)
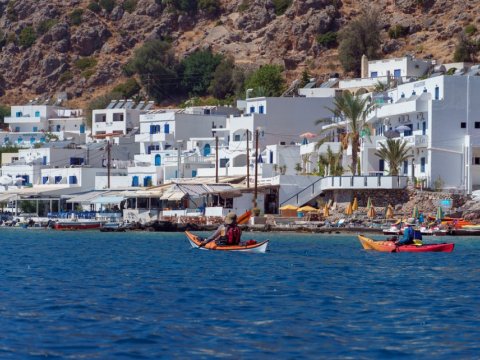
305, 195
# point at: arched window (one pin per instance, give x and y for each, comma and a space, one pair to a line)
158, 160
206, 150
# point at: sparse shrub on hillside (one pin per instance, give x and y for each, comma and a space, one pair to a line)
197, 71
266, 81
466, 49
305, 78
470, 29
243, 5
281, 6
155, 63
85, 63
27, 37
328, 40
210, 7
360, 36
76, 16
129, 5
66, 76
46, 25
108, 5
11, 13
87, 74
398, 31
127, 89
94, 6
188, 6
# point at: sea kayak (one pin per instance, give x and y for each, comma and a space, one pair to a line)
255, 248
389, 246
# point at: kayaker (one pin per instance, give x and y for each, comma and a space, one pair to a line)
408, 233
226, 234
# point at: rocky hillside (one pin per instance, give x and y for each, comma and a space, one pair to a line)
42, 40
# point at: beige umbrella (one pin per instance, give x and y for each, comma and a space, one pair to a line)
326, 212
348, 210
355, 204
371, 212
389, 213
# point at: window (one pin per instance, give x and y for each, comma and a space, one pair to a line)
477, 124
422, 164
17, 128
223, 163
381, 165
236, 138
35, 129
414, 93
252, 109
405, 167
44, 160
476, 161
18, 114
424, 128
166, 128
76, 161
403, 95
158, 160
397, 73
58, 179
374, 74
37, 113
44, 179
463, 125
261, 109
135, 181
271, 157
437, 93
194, 173
72, 179
206, 150
117, 117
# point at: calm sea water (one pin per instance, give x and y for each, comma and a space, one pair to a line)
95, 295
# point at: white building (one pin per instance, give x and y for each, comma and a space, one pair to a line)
438, 118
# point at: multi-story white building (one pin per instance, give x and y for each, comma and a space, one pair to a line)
438, 118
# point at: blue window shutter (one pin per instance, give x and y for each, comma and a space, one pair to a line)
44, 179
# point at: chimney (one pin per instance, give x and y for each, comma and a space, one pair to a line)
364, 66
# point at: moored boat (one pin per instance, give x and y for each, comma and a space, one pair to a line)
252, 247
77, 225
389, 246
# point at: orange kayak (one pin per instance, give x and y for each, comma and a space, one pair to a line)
255, 248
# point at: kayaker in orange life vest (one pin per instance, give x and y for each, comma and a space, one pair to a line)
226, 234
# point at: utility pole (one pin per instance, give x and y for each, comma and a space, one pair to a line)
179, 158
216, 159
248, 163
256, 170
109, 162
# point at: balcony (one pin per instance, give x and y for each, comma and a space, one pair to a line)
22, 119
417, 141
158, 137
363, 182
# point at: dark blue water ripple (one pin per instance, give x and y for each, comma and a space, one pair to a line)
148, 295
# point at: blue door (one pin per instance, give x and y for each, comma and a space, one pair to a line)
381, 165
35, 129
194, 173
206, 150
82, 129
135, 181
166, 129
397, 73
59, 128
147, 181
158, 160
44, 160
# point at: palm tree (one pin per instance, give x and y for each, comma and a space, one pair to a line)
354, 110
395, 152
331, 162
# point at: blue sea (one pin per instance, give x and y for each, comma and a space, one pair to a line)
92, 295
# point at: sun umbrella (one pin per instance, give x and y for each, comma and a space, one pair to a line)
389, 213
369, 203
392, 134
289, 207
403, 128
326, 212
307, 208
415, 212
439, 213
348, 210
371, 213
355, 204
308, 135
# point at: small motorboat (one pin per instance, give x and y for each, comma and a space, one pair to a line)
248, 246
389, 246
392, 230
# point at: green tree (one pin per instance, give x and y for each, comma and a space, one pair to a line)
129, 5
305, 78
93, 6
227, 80
328, 40
466, 49
395, 152
353, 110
4, 111
361, 36
155, 64
127, 89
27, 37
28, 206
46, 25
76, 16
188, 6
108, 5
281, 6
331, 163
210, 7
266, 81
198, 71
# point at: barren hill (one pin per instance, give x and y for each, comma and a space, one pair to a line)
42, 40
